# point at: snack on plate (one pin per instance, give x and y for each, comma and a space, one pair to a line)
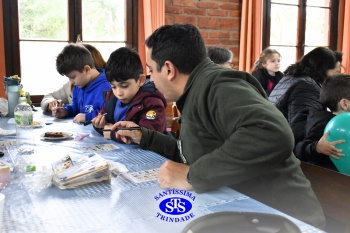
54, 135
35, 123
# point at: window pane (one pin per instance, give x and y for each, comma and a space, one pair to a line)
106, 48
308, 49
288, 55
317, 27
293, 2
283, 25
43, 19
39, 75
322, 3
103, 20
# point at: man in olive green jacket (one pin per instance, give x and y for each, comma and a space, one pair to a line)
231, 135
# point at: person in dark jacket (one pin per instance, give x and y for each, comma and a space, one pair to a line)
298, 92
132, 96
315, 149
225, 121
266, 69
221, 56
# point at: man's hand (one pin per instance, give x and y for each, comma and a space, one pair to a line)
174, 175
325, 147
128, 136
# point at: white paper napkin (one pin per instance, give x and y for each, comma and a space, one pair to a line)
7, 132
117, 168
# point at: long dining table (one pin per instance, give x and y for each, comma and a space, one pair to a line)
130, 201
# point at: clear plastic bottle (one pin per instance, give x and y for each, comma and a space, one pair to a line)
24, 127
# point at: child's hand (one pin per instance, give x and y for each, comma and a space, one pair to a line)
325, 147
79, 118
54, 103
59, 112
107, 134
99, 121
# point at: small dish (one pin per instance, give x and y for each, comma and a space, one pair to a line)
37, 124
59, 136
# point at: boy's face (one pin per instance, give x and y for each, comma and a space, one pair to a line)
79, 79
125, 91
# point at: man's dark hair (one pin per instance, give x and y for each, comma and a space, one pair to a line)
335, 88
74, 57
123, 64
182, 44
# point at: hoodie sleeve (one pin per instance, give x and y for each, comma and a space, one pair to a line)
153, 116
73, 108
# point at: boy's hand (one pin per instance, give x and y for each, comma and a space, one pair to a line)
59, 112
107, 134
128, 136
79, 118
325, 147
99, 121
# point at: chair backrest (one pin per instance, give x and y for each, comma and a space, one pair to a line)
176, 112
333, 192
175, 125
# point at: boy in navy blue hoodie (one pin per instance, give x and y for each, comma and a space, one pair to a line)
132, 97
76, 62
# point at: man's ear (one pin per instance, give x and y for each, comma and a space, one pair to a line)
170, 70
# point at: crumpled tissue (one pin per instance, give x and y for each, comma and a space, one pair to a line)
117, 168
7, 132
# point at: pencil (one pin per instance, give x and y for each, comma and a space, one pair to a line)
124, 128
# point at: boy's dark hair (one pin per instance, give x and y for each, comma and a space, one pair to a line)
74, 57
314, 64
334, 89
182, 44
219, 55
123, 64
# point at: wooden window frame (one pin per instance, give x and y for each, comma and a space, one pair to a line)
12, 40
333, 35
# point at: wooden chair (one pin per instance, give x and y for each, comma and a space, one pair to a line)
333, 192
175, 125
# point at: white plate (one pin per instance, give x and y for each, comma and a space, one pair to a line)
65, 136
37, 124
